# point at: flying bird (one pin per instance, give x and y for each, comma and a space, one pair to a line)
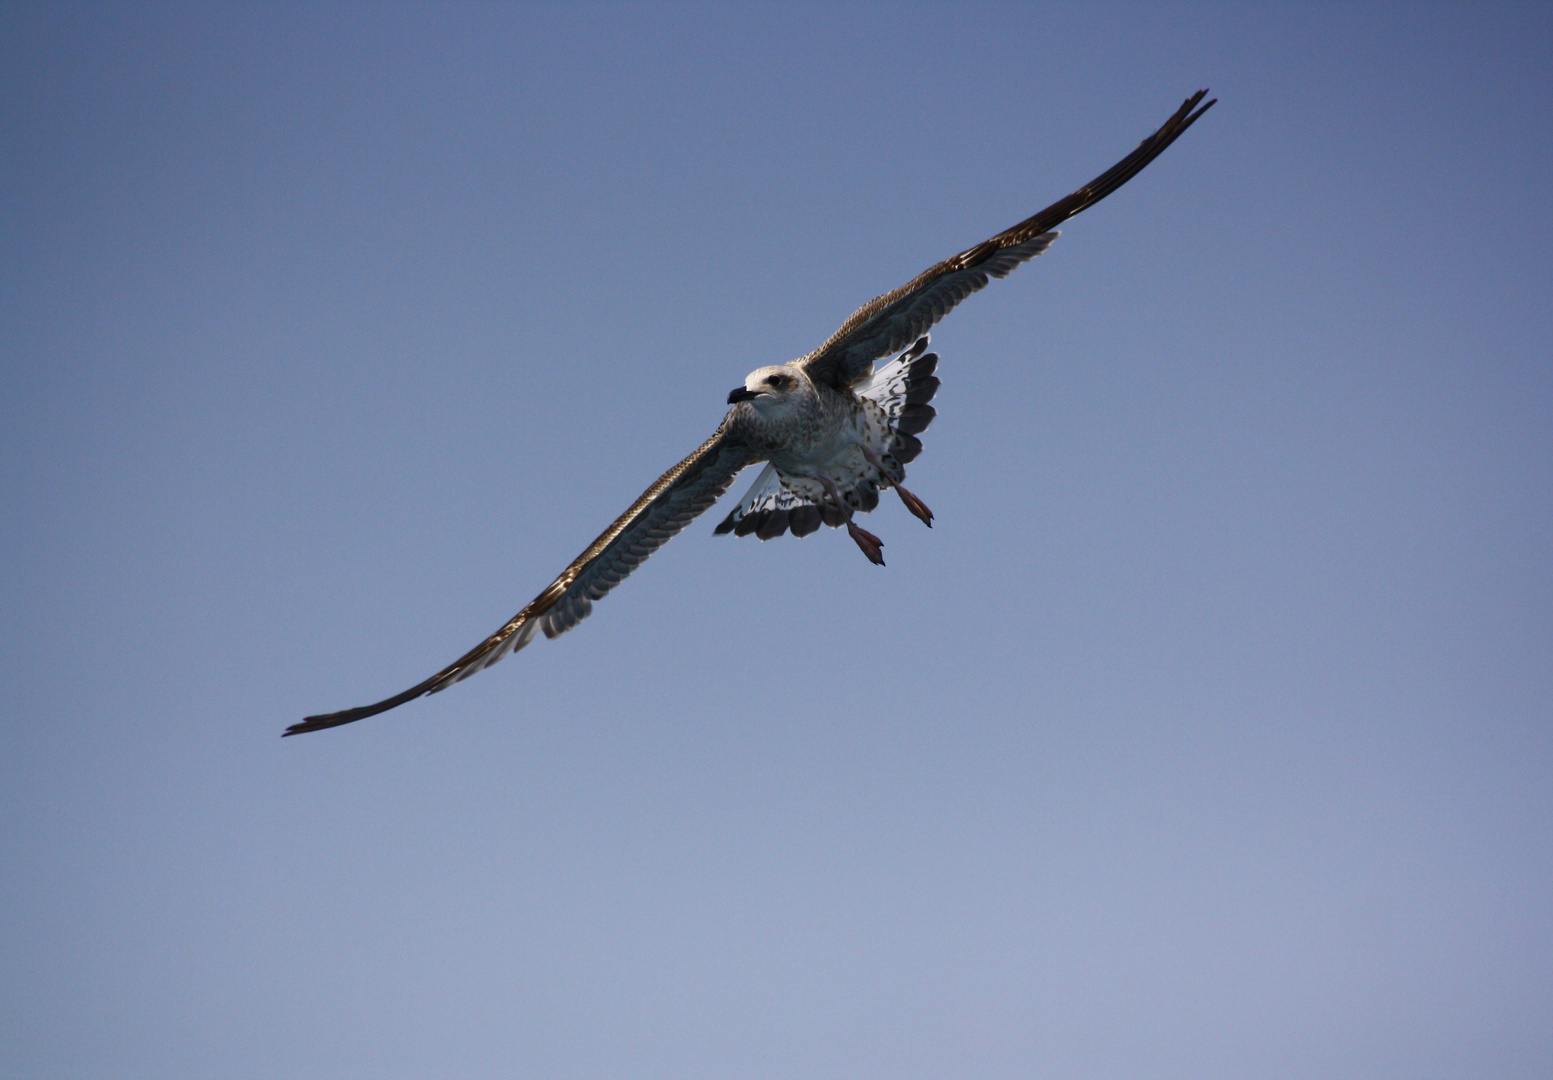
832, 429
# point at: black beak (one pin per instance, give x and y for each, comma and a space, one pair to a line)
741, 394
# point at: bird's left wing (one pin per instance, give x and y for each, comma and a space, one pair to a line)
896, 319
675, 500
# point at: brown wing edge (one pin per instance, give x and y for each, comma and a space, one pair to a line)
1041, 222
526, 621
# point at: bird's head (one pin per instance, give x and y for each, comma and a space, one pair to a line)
773, 392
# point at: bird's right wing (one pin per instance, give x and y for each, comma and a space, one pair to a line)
665, 508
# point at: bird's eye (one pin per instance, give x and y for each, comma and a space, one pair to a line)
776, 380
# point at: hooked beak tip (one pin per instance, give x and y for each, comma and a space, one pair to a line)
741, 394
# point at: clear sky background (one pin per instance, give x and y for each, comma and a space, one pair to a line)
1209, 734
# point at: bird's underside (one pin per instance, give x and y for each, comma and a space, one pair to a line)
832, 431
886, 411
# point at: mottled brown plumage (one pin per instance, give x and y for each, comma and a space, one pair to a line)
832, 430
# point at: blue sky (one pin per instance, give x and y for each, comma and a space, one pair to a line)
1207, 733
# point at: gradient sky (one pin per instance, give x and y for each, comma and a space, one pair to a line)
1209, 733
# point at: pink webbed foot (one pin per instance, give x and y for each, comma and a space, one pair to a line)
892, 478
867, 541
916, 506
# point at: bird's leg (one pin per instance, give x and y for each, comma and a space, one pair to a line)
865, 540
917, 507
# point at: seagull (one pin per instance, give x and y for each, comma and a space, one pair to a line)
832, 429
